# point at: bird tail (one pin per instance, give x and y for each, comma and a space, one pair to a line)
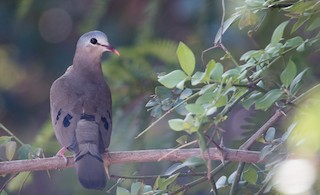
88, 160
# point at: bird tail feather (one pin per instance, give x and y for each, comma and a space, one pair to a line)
88, 160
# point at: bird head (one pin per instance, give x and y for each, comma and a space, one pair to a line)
95, 42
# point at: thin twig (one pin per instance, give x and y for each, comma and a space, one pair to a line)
165, 114
198, 181
222, 19
276, 116
11, 134
237, 178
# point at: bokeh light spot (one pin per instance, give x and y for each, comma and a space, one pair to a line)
55, 25
294, 176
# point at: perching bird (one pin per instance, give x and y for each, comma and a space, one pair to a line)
80, 102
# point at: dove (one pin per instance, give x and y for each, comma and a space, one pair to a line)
80, 104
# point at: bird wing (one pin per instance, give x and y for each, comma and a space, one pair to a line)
73, 98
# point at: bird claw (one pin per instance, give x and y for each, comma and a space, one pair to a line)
61, 152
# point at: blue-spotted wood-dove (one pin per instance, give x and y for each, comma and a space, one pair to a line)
80, 102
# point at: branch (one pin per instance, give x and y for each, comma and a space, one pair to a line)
41, 164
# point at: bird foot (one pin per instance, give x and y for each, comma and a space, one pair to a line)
61, 152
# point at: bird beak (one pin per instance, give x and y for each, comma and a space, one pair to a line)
113, 50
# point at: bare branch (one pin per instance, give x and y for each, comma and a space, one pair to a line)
41, 164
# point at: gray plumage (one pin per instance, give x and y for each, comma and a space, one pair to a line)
80, 102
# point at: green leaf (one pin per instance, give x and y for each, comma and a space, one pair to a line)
3, 192
274, 49
226, 25
147, 188
157, 183
183, 139
205, 98
210, 66
314, 23
231, 73
122, 191
206, 88
186, 58
164, 185
173, 168
255, 3
299, 23
136, 188
217, 72
250, 54
268, 99
269, 136
172, 79
286, 135
178, 124
193, 162
221, 182
296, 83
24, 178
232, 177
166, 104
185, 93
24, 151
222, 101
182, 109
195, 108
300, 7
152, 102
251, 176
156, 111
278, 33
294, 42
301, 47
211, 111
180, 85
197, 78
202, 141
265, 152
190, 162
288, 73
10, 149
5, 139
248, 18
163, 92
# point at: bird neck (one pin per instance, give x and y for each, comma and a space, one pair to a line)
87, 63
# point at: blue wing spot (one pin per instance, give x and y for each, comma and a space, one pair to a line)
66, 120
58, 115
105, 121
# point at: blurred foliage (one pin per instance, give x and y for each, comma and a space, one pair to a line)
238, 83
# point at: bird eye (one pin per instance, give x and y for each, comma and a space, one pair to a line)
93, 41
